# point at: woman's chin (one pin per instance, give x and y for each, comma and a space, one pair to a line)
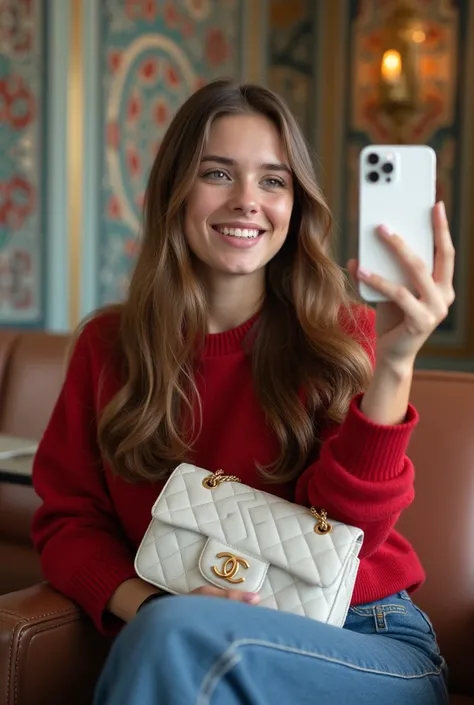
240, 269
233, 267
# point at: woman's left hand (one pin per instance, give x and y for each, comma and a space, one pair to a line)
406, 321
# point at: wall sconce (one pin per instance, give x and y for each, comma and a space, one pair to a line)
399, 74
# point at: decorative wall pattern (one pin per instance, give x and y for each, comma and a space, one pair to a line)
291, 47
437, 121
22, 238
155, 53
443, 60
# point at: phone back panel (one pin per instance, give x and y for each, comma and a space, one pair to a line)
402, 198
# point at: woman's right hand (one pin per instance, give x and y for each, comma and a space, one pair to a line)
250, 598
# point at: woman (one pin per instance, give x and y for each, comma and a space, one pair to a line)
238, 348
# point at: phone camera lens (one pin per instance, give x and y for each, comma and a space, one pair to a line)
373, 176
387, 168
373, 158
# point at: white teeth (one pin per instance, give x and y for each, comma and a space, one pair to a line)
239, 232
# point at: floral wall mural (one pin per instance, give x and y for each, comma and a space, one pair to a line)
22, 87
155, 53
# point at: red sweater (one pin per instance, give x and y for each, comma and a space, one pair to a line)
91, 522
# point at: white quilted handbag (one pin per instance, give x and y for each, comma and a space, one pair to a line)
210, 529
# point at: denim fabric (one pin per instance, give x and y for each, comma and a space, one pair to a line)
195, 650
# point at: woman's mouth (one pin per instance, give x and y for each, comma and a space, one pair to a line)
244, 233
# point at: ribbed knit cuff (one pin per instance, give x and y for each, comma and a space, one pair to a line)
369, 450
95, 582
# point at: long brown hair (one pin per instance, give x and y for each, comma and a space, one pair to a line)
298, 342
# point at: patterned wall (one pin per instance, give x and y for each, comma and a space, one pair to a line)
22, 240
155, 53
290, 61
437, 122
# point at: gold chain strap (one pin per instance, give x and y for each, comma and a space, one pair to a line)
322, 526
217, 478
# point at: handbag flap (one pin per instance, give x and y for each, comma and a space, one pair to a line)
257, 523
224, 566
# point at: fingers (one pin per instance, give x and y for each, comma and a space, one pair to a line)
237, 595
443, 270
419, 317
435, 290
250, 597
418, 272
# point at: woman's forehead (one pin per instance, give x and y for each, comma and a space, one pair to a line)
250, 137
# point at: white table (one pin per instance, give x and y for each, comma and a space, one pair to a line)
16, 469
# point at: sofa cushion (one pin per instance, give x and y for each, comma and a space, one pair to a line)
33, 375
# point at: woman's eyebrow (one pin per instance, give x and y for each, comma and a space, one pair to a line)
226, 161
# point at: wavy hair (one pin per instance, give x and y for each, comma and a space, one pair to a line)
297, 343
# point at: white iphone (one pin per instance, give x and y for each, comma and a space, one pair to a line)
397, 189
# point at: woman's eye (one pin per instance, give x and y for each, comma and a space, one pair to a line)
216, 174
273, 182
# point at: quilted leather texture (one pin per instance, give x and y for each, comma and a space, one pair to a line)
297, 569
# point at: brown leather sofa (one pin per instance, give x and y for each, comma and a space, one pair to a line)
32, 367
51, 655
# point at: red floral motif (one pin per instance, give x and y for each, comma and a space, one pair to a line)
199, 8
141, 9
3, 204
134, 108
149, 70
112, 134
17, 201
113, 208
17, 104
217, 47
133, 161
114, 60
131, 247
171, 15
172, 77
150, 10
161, 113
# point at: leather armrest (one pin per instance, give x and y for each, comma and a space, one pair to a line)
50, 652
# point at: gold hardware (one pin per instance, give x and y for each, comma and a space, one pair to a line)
230, 567
323, 526
215, 479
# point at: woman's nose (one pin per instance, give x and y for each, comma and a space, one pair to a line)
244, 199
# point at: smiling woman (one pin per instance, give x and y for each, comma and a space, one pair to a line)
233, 157
239, 208
239, 348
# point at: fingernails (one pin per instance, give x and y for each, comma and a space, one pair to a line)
363, 273
383, 230
251, 597
442, 209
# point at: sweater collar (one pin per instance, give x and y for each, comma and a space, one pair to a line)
229, 342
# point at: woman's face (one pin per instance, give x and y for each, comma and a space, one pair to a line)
239, 208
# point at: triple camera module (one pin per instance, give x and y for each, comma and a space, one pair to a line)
380, 169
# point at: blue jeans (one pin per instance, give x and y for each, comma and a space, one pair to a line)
195, 650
